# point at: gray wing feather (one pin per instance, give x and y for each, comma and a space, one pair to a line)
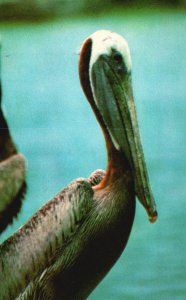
12, 176
36, 246
12, 188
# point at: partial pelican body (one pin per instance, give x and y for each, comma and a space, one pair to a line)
12, 173
71, 243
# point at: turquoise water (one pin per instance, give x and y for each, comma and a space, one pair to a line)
55, 128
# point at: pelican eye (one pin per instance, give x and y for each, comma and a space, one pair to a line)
117, 58
118, 62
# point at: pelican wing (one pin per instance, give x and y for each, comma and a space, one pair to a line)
42, 241
12, 188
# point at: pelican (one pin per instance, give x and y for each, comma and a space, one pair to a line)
12, 173
71, 243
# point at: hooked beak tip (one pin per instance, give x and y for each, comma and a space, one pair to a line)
153, 216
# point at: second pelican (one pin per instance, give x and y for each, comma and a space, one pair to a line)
12, 172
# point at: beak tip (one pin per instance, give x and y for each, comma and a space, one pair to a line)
152, 216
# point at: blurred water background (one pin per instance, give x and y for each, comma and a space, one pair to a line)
56, 130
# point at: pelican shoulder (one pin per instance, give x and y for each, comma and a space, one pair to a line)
42, 244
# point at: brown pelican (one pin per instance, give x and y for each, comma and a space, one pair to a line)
12, 173
71, 243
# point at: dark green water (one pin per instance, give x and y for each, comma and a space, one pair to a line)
56, 130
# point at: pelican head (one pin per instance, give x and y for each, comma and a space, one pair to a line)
105, 73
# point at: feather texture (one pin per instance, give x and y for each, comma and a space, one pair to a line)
40, 244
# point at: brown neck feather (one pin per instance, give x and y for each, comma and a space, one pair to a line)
116, 160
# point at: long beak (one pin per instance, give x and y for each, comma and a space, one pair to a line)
113, 96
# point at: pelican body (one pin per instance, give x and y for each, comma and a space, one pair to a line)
12, 173
72, 242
